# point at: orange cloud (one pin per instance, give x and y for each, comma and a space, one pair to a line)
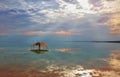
62, 32
114, 23
31, 33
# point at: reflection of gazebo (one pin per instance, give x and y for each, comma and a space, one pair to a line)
39, 46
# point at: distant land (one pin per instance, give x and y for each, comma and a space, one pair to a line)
97, 41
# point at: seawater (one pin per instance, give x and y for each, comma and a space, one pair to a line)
60, 56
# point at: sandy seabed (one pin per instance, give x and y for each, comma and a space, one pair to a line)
15, 71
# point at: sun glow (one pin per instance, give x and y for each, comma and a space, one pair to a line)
84, 4
114, 24
79, 7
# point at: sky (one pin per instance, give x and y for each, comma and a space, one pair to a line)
86, 19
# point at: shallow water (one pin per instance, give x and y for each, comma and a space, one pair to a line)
62, 57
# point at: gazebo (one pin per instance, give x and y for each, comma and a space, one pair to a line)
39, 46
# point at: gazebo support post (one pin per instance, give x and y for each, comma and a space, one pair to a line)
39, 47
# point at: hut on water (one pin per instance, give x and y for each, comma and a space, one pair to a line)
39, 46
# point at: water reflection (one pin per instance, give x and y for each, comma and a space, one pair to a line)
67, 50
114, 59
83, 60
39, 51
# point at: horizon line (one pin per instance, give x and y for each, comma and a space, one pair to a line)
97, 41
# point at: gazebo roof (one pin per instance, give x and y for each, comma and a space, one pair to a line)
39, 43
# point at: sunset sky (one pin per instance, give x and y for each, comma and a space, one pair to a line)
86, 19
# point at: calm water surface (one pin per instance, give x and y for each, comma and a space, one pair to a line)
67, 53
60, 55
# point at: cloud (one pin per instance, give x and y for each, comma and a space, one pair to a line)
69, 27
33, 33
47, 11
51, 11
65, 11
27, 4
105, 6
68, 9
60, 17
112, 21
63, 32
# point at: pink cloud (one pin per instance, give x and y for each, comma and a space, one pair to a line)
32, 33
114, 23
62, 32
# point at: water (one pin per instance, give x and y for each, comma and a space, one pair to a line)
62, 56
